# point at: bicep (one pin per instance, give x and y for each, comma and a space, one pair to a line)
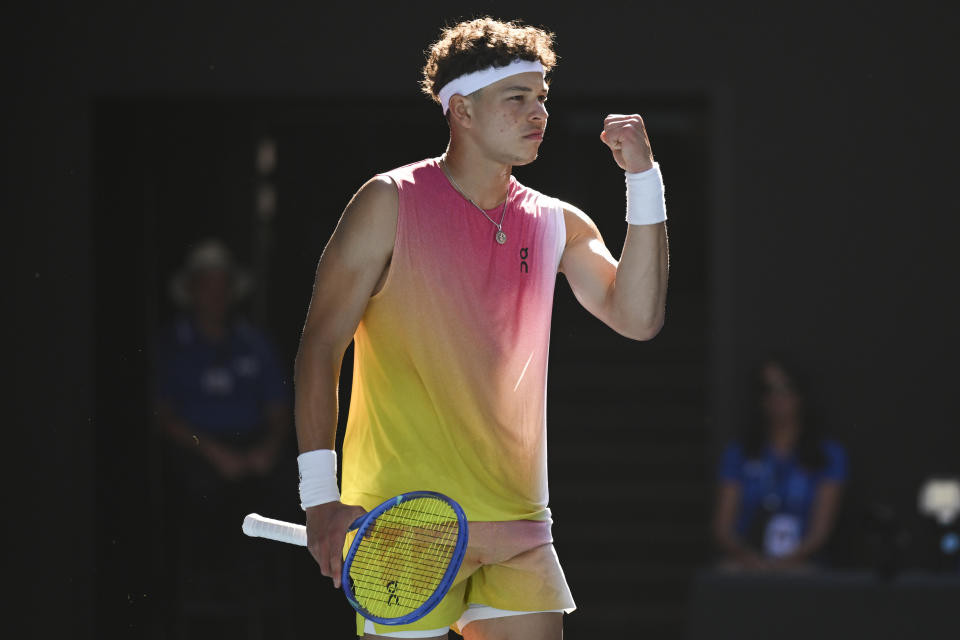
351, 264
587, 263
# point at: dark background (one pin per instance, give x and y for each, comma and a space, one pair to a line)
809, 153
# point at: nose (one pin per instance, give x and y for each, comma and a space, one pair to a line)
539, 112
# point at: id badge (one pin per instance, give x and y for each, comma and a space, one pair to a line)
782, 535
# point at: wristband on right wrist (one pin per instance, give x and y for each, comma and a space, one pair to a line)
645, 201
318, 477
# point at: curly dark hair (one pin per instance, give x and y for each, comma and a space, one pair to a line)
480, 43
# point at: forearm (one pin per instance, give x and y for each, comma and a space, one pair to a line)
178, 430
278, 423
638, 294
316, 404
807, 548
731, 544
822, 521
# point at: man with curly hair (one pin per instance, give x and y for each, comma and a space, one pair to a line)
442, 273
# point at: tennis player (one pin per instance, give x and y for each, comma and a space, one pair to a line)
442, 273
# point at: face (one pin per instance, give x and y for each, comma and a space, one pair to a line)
508, 118
210, 292
780, 400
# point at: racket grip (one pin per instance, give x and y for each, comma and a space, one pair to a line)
256, 526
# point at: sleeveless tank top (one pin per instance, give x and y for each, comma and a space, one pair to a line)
450, 357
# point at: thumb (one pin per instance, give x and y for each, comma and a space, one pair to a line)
606, 141
354, 512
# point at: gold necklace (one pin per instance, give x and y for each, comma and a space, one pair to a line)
501, 236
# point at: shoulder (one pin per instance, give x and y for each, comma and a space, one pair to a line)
834, 451
833, 448
733, 450
409, 175
373, 207
526, 196
836, 457
583, 238
381, 189
731, 461
578, 222
364, 237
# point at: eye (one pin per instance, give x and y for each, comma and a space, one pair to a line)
518, 97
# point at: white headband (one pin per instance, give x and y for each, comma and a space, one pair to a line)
470, 82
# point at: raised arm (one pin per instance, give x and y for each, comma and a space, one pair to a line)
351, 269
628, 295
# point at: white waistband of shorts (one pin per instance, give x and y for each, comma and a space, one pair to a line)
476, 612
473, 613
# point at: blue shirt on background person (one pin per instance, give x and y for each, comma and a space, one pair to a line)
781, 482
779, 488
219, 392
220, 388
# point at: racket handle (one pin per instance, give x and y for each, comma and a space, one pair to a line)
256, 526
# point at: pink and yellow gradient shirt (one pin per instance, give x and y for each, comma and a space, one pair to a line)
450, 357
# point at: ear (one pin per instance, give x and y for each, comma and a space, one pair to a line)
461, 111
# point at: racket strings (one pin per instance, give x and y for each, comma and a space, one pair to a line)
393, 544
403, 557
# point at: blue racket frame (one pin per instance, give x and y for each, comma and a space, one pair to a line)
363, 523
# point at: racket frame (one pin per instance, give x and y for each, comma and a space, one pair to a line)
363, 523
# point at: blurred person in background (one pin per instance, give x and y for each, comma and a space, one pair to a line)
781, 482
223, 406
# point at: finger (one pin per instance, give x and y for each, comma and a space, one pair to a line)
610, 140
336, 566
355, 513
619, 117
616, 129
620, 127
314, 549
323, 559
629, 135
614, 123
336, 558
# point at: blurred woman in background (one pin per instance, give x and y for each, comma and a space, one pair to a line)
781, 483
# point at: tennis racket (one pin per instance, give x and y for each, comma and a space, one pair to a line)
403, 557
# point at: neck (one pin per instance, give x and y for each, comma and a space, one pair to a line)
211, 326
482, 180
784, 435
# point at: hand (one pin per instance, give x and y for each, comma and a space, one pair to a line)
790, 563
229, 463
262, 459
627, 138
753, 561
327, 526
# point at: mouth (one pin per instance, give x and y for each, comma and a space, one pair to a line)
536, 135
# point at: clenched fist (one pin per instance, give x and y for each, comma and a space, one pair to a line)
627, 138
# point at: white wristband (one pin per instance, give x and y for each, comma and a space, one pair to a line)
645, 201
318, 477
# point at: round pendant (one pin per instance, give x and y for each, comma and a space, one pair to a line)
501, 237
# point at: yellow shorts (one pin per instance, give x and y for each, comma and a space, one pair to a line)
507, 565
